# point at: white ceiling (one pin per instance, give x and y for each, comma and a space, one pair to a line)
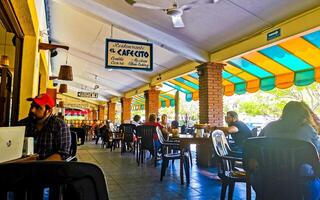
85, 24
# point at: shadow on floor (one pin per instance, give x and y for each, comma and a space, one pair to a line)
125, 180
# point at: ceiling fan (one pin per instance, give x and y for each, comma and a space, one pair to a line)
175, 11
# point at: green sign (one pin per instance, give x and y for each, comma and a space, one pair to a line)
274, 34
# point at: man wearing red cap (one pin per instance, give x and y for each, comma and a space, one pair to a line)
51, 135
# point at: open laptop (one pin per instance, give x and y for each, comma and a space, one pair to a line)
11, 142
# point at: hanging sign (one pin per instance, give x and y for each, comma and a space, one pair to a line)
274, 34
121, 54
88, 94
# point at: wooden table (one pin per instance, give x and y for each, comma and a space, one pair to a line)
185, 141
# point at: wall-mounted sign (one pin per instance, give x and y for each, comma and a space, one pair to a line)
122, 54
274, 34
88, 94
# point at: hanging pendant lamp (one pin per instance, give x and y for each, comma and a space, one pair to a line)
63, 88
4, 60
65, 73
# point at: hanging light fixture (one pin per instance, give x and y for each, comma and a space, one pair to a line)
4, 60
65, 72
63, 88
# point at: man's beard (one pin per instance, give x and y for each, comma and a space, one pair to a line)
34, 118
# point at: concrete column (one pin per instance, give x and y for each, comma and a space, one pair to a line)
152, 101
126, 109
112, 111
177, 106
101, 112
211, 94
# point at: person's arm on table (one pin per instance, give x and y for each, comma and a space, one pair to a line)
54, 157
225, 129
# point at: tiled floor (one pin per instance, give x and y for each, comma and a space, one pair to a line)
125, 180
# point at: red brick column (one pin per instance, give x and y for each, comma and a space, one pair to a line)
125, 109
94, 114
112, 111
152, 101
101, 112
211, 94
52, 92
90, 117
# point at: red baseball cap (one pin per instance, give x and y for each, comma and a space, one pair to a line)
43, 100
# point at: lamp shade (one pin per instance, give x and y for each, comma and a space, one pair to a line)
63, 88
4, 61
65, 73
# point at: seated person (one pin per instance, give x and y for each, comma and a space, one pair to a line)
238, 130
166, 129
175, 129
152, 122
296, 122
51, 134
136, 120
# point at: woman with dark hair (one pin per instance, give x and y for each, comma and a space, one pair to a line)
296, 122
316, 121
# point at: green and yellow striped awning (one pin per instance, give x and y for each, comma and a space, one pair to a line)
293, 62
165, 100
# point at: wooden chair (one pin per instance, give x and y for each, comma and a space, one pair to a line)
226, 160
54, 179
276, 167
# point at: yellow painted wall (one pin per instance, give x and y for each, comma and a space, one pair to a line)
32, 62
44, 72
29, 74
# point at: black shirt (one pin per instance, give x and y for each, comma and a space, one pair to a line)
243, 133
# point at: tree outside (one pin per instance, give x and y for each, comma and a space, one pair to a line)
262, 105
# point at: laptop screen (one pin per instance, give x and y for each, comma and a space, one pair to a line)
11, 142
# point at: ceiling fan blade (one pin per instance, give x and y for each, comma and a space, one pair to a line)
143, 5
213, 1
186, 7
208, 1
177, 21
146, 5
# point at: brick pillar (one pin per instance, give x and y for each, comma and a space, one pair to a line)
211, 94
112, 111
125, 109
90, 115
94, 114
152, 101
61, 110
101, 112
52, 92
